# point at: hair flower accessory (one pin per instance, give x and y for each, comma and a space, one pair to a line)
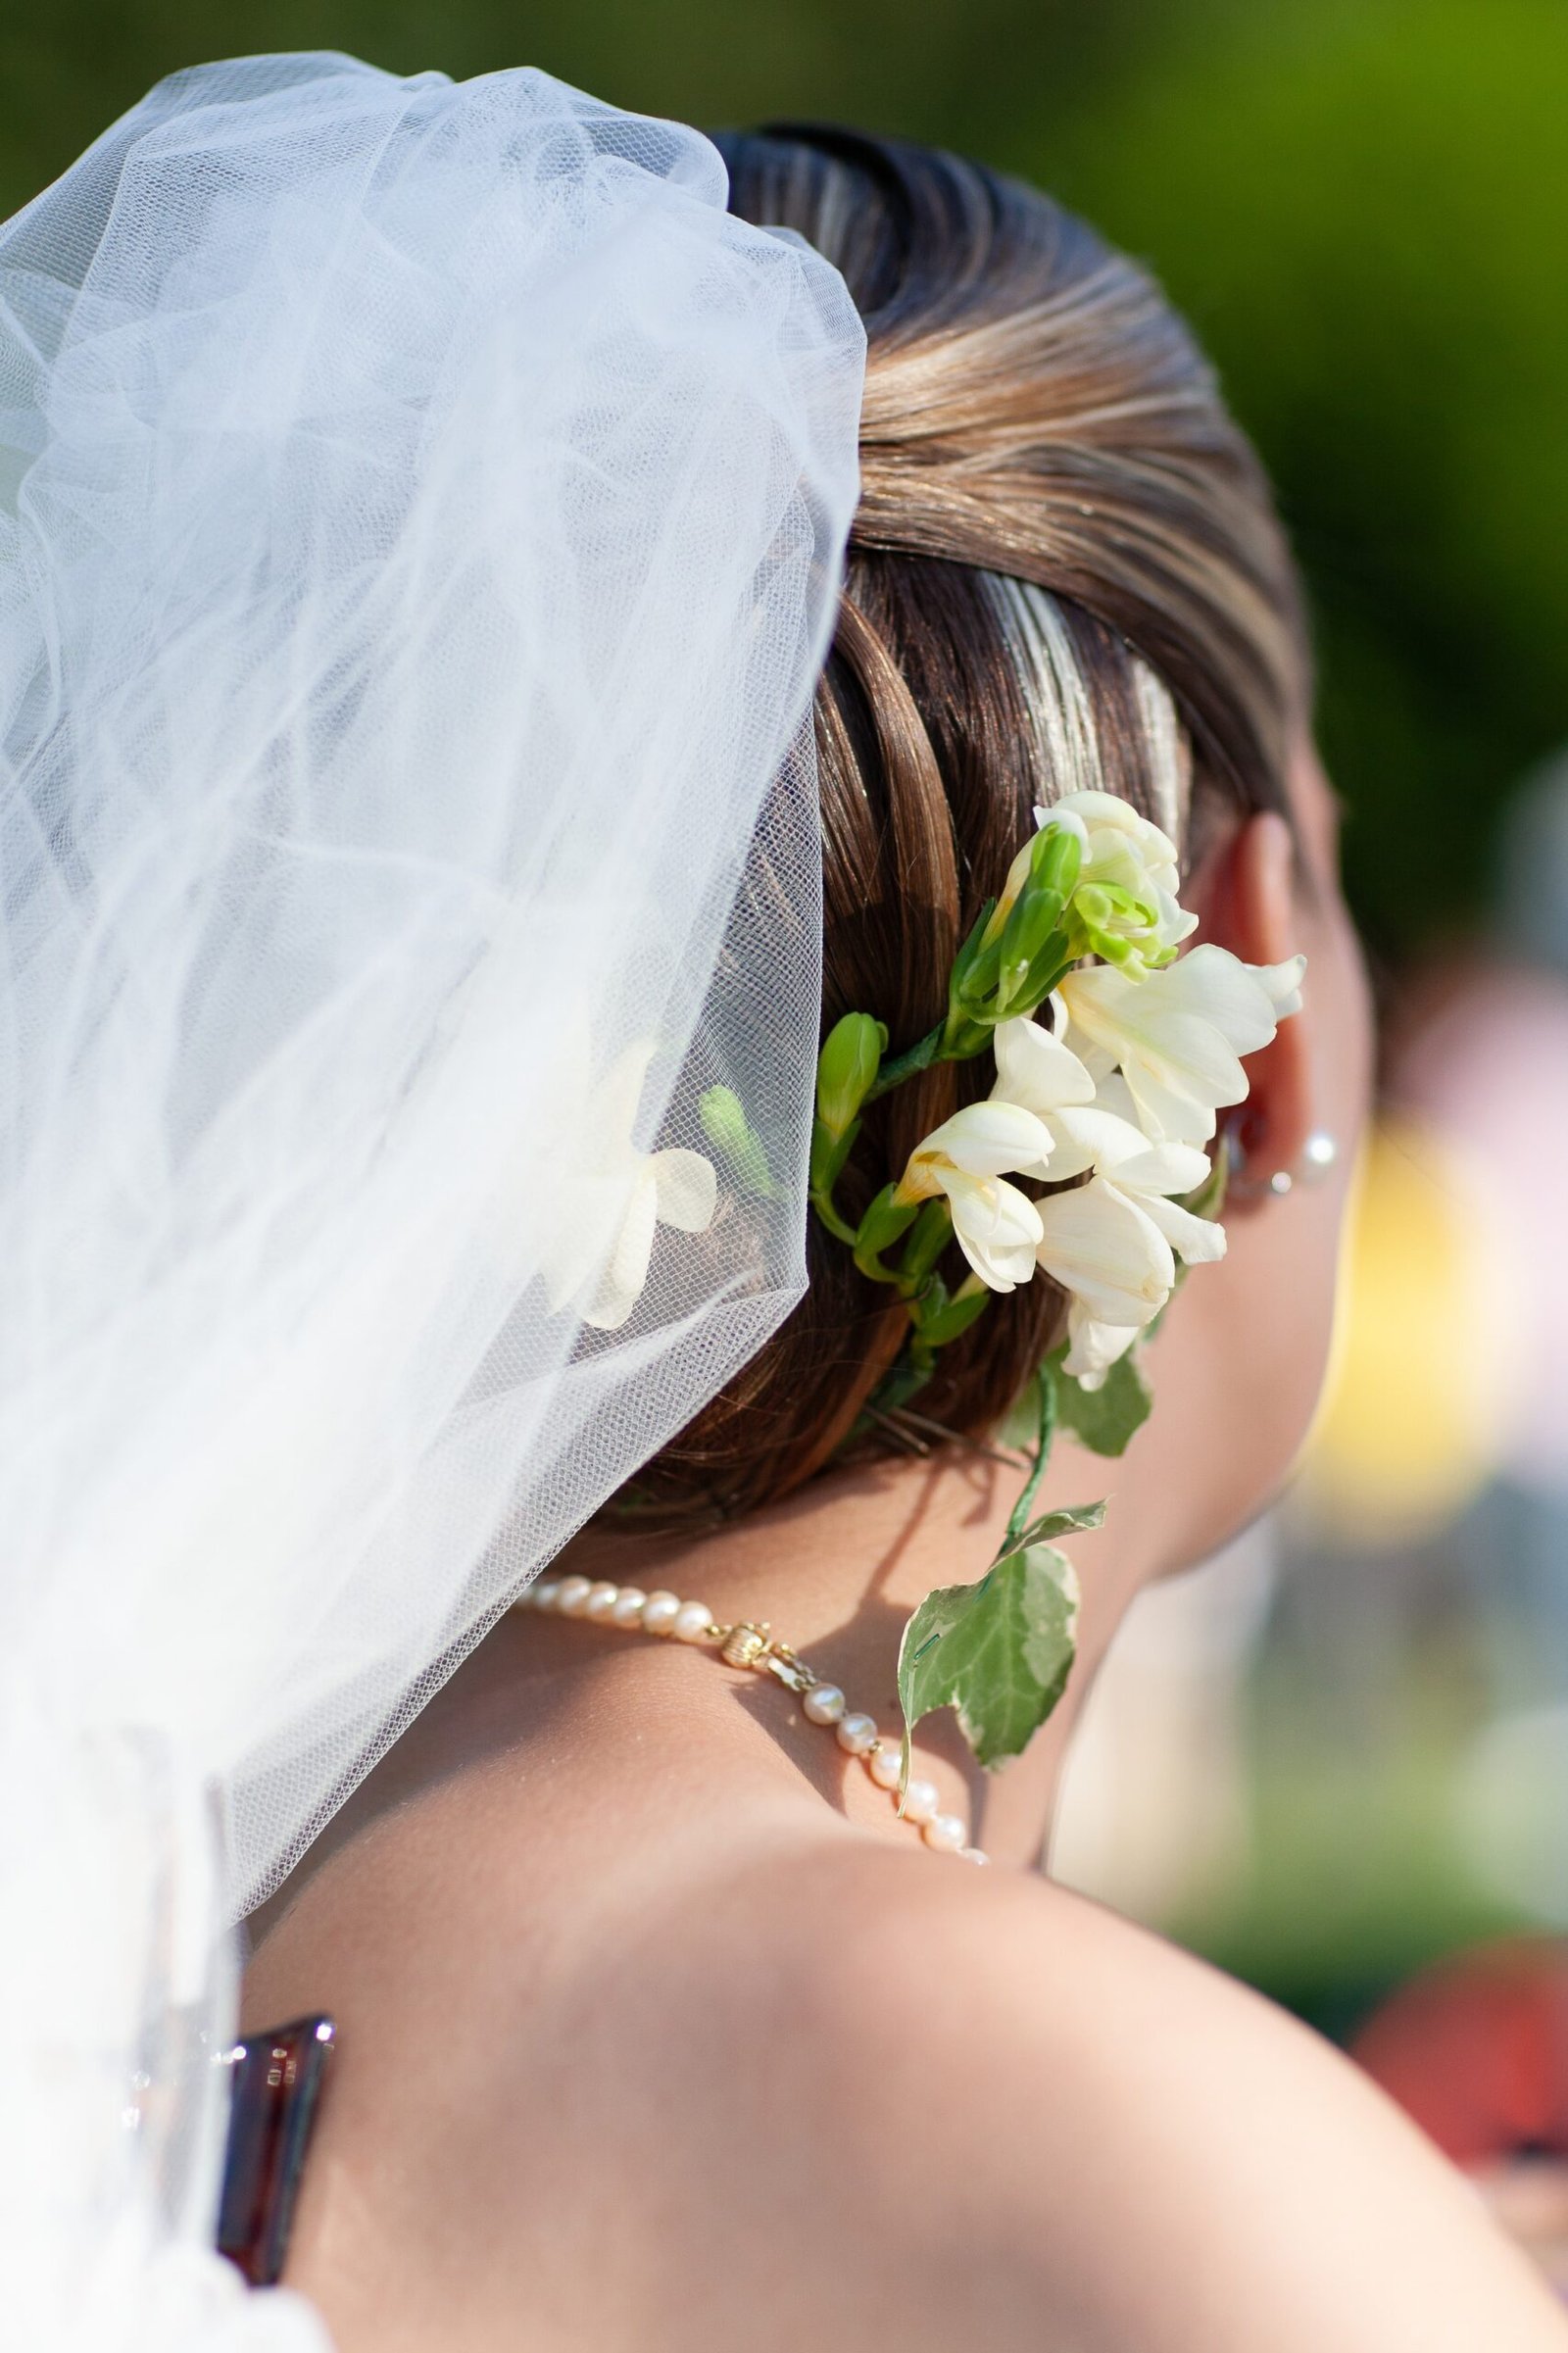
1177, 1035
1107, 1100
607, 1201
966, 1161
1126, 908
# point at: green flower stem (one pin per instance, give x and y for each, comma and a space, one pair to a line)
839, 1227
905, 1065
1023, 1509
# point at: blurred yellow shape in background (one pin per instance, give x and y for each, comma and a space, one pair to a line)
1416, 1399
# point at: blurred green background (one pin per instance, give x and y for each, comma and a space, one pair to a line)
1359, 203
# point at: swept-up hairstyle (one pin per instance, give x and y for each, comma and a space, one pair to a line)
1065, 571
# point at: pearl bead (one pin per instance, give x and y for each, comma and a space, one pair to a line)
945, 1833
660, 1612
602, 1599
545, 1594
883, 1764
627, 1608
857, 1733
920, 1801
823, 1703
691, 1621
574, 1591
972, 1854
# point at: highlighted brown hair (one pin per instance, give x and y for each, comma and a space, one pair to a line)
1065, 571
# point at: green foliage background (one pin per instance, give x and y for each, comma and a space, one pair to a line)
1361, 203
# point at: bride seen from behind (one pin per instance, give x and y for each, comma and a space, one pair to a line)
656, 2026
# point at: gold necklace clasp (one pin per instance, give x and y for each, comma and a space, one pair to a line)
751, 1643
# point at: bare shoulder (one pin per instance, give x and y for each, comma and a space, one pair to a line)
804, 2076
1149, 2154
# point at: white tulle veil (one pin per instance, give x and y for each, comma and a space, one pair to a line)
421, 515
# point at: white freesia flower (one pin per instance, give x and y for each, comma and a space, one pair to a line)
1110, 1243
1105, 1136
1178, 1035
1131, 853
1115, 1265
610, 1197
1037, 1073
968, 1159
1098, 1129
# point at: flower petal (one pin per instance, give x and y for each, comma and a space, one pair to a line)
987, 1140
686, 1189
998, 1227
1164, 1167
613, 1104
1179, 1064
1284, 984
626, 1271
1036, 1069
1201, 1240
1104, 1249
1086, 1137
1094, 1347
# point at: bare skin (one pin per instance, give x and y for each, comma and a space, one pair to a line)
657, 2030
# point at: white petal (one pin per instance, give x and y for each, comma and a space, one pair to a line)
1178, 1064
1164, 1167
622, 1280
1086, 1137
1095, 1347
1103, 1249
686, 1189
1106, 811
1035, 1069
988, 1139
1201, 1240
613, 1103
1066, 817
1284, 984
1219, 988
585, 1218
998, 1229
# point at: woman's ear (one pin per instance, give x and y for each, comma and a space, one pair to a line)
1245, 899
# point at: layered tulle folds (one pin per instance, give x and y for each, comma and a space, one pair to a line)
420, 514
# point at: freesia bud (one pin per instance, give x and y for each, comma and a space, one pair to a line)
947, 1318
731, 1133
1059, 851
883, 1223
846, 1071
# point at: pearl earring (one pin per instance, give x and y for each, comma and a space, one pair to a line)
1318, 1155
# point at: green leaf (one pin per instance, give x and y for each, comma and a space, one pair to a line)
998, 1652
1071, 1520
1102, 1419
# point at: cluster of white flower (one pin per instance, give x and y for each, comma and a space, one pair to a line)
606, 1197
1123, 1090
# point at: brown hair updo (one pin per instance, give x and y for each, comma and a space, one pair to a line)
1065, 571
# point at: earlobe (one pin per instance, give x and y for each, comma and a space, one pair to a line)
1247, 904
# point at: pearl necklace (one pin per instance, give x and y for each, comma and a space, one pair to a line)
751, 1644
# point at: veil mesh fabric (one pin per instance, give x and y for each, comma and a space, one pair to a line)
421, 515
